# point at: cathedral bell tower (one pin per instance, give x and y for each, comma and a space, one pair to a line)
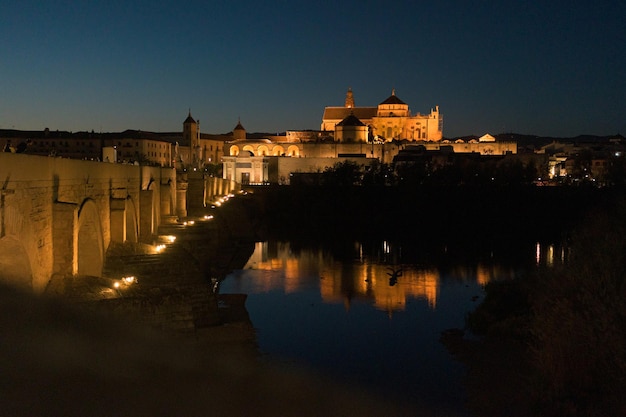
349, 99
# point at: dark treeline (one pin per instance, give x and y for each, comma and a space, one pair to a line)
476, 214
415, 168
482, 201
429, 170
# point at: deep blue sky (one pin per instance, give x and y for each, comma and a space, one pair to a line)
553, 67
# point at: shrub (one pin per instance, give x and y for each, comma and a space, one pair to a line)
579, 323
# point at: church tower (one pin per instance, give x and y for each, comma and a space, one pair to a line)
349, 99
190, 132
239, 132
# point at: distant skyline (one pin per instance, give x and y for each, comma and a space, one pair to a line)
554, 68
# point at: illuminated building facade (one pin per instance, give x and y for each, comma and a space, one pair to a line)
271, 160
198, 149
485, 145
391, 119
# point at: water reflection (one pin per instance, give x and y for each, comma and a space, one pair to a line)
371, 313
550, 254
380, 275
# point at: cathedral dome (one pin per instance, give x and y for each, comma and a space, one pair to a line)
393, 99
239, 132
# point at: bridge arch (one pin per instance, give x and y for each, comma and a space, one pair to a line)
15, 269
89, 242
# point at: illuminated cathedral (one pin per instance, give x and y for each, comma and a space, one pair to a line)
359, 134
391, 119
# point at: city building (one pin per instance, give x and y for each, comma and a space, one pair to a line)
198, 149
131, 145
359, 134
188, 149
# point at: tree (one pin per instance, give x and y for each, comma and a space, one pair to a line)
347, 173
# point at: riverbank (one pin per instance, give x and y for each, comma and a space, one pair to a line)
497, 376
59, 359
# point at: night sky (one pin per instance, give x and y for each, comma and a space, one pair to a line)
550, 68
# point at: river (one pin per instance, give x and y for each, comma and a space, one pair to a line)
371, 314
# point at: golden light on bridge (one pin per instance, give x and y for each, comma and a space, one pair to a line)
163, 240
223, 199
125, 282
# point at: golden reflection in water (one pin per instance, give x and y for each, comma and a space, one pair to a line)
340, 282
486, 273
550, 255
482, 273
412, 284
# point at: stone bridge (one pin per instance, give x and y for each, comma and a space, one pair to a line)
59, 216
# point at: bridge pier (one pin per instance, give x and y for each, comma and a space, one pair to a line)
64, 240
181, 199
118, 220
167, 200
146, 215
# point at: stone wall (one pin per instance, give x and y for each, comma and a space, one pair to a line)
36, 190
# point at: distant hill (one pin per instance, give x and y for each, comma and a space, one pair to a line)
522, 140
539, 141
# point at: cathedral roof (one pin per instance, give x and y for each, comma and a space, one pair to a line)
393, 99
239, 127
351, 120
340, 113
